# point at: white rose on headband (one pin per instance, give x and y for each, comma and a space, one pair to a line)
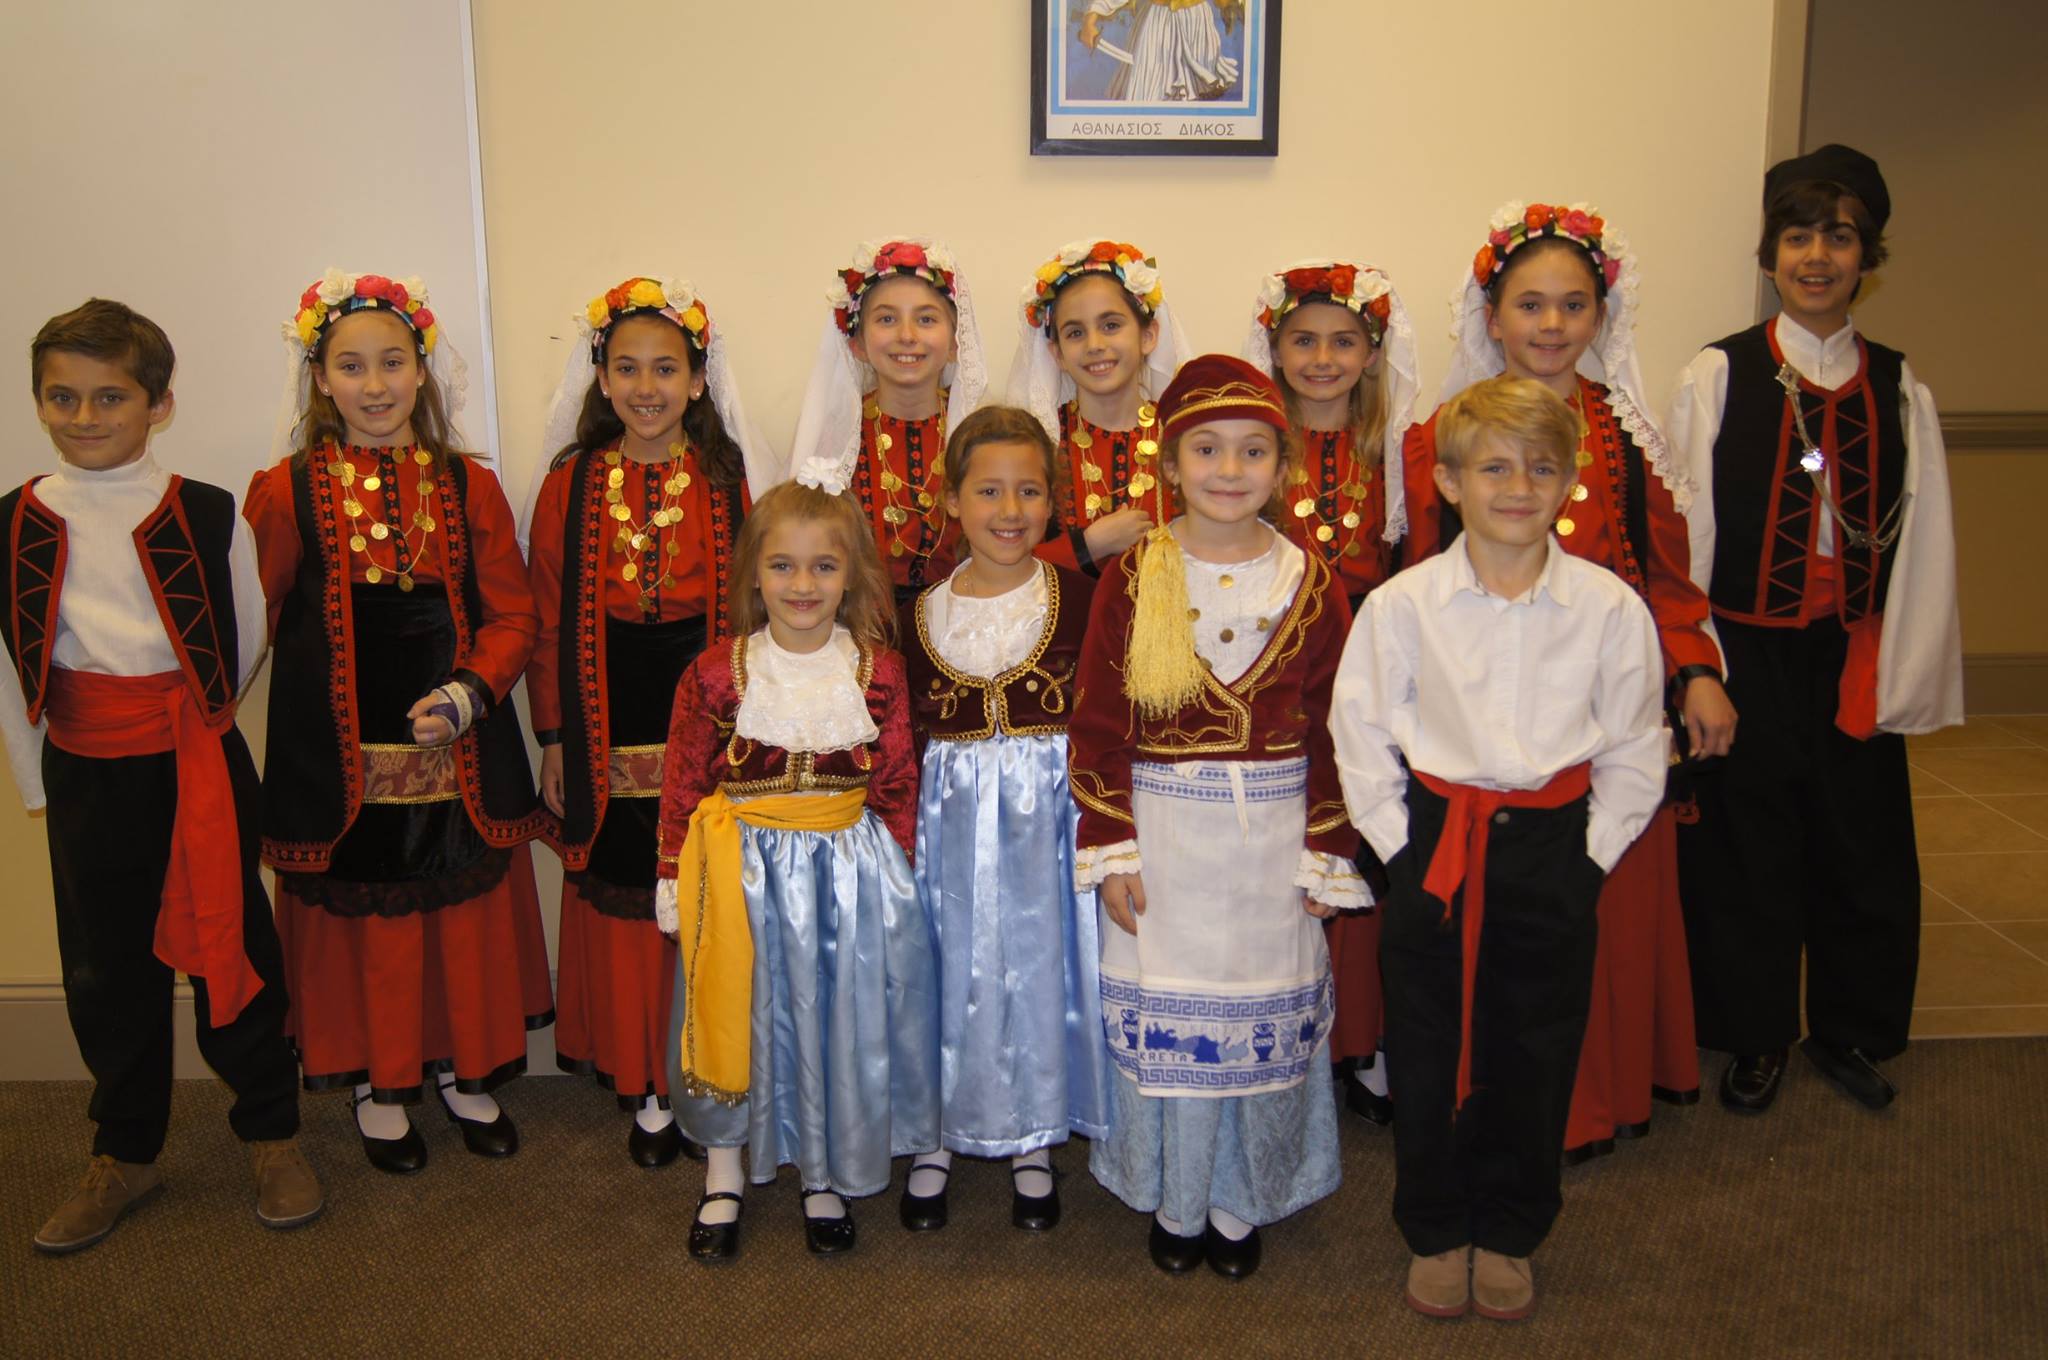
1140, 278
1371, 284
864, 256
415, 288
1509, 215
334, 286
939, 258
826, 474
679, 295
1273, 293
1073, 252
837, 295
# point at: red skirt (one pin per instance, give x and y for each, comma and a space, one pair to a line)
1639, 1030
1354, 939
616, 980
391, 1000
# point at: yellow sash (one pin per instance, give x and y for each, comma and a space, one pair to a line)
717, 946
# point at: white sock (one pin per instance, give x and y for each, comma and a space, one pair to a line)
1032, 1173
722, 1172
379, 1121
1172, 1225
652, 1117
929, 1172
479, 1109
1229, 1224
823, 1204
1374, 1078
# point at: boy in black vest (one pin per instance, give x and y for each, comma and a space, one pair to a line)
133, 617
1821, 534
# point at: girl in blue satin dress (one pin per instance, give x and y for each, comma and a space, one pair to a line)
991, 653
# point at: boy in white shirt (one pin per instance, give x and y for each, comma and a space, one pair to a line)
1500, 738
1821, 535
132, 618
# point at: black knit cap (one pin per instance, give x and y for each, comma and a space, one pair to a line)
1834, 164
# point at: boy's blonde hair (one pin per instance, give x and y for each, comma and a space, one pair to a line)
1520, 410
868, 607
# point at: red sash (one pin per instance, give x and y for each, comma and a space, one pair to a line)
1460, 858
199, 929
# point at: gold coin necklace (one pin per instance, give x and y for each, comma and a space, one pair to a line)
647, 563
903, 498
1566, 525
1129, 476
1327, 506
383, 483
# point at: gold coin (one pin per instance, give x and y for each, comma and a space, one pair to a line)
924, 500
1350, 520
673, 548
614, 496
1579, 492
1304, 507
639, 542
629, 571
871, 410
356, 542
1265, 625
352, 508
1090, 473
1351, 550
896, 547
348, 475
1226, 635
891, 482
678, 484
1585, 458
1193, 613
677, 450
1565, 527
1324, 533
374, 574
372, 482
884, 442
335, 469
1226, 580
615, 477
1148, 448
426, 487
380, 532
621, 513
1083, 440
1147, 413
938, 467
611, 458
422, 457
1357, 489
423, 522
894, 514
1142, 483
405, 583
1093, 503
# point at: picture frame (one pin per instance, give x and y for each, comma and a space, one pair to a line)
1155, 77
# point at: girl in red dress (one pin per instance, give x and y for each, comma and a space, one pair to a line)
631, 544
1096, 345
1552, 296
397, 797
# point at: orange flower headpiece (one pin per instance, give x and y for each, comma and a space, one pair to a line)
1515, 225
336, 294
671, 298
1130, 266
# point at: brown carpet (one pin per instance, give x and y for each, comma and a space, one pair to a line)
1819, 1229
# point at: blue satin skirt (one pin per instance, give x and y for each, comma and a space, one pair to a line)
1022, 1060
844, 1070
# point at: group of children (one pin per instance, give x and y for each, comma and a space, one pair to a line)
985, 775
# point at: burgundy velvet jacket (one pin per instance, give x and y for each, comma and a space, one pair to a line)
1033, 697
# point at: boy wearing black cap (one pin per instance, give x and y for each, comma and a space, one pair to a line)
1822, 537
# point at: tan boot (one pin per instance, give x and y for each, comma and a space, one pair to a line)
1437, 1284
110, 1189
287, 1193
1503, 1287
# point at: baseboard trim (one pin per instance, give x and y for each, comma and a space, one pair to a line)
2005, 682
2010, 431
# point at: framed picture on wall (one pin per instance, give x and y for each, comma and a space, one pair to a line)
1155, 77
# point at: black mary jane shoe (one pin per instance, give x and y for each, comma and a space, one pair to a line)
1172, 1253
1587, 1151
1035, 1213
828, 1236
1233, 1260
659, 1148
923, 1213
497, 1138
1373, 1109
714, 1241
1751, 1082
1852, 1072
1632, 1131
398, 1156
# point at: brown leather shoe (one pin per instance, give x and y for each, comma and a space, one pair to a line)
287, 1192
1503, 1287
1437, 1285
110, 1189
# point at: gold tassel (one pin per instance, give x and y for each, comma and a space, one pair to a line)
1162, 672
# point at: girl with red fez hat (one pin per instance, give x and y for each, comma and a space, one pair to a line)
1214, 827
1552, 296
398, 802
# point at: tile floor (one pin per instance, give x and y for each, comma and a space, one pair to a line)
1980, 809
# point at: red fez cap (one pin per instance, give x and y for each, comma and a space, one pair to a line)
1219, 387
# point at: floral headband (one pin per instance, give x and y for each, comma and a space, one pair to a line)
1358, 288
1514, 226
872, 263
1132, 267
672, 298
337, 294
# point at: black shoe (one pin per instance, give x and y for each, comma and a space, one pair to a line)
828, 1236
1034, 1213
1586, 1152
714, 1241
498, 1138
1172, 1253
1671, 1097
1373, 1109
659, 1148
399, 1156
1232, 1260
1751, 1082
1641, 1130
1850, 1070
924, 1213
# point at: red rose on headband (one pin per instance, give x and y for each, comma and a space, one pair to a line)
1610, 269
1104, 252
1499, 237
900, 255
1539, 216
309, 297
1380, 307
1302, 282
1342, 280
1597, 223
422, 319
1577, 223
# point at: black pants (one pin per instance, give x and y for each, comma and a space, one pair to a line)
110, 838
1804, 839
1488, 1175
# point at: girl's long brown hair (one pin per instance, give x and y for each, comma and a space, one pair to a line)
868, 607
598, 426
322, 424
1368, 416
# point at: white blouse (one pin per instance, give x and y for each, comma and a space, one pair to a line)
1237, 605
805, 701
985, 638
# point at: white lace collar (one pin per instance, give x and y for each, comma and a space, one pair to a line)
985, 636
805, 701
